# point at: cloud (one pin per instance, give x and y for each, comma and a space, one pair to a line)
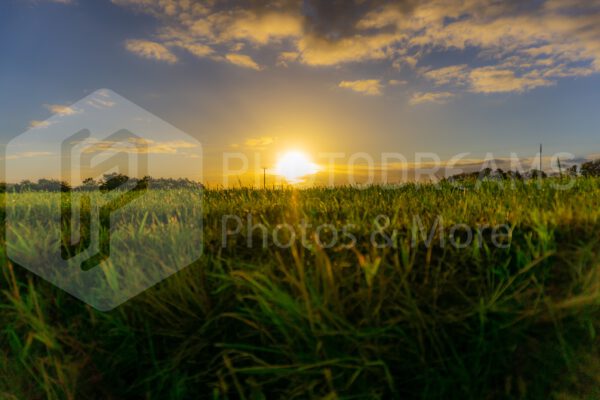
100, 103
196, 49
35, 124
136, 146
496, 80
101, 100
492, 79
259, 141
61, 110
430, 97
456, 74
396, 82
151, 50
508, 46
259, 28
286, 57
369, 87
28, 154
317, 51
242, 60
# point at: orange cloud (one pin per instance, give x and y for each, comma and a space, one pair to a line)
370, 87
430, 97
151, 50
242, 60
134, 145
456, 74
60, 109
523, 47
494, 80
320, 51
259, 141
35, 124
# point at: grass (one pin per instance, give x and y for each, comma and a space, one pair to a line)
405, 320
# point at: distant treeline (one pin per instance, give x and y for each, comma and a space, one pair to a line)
108, 182
587, 169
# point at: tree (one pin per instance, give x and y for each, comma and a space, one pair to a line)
143, 183
113, 181
88, 184
51, 185
591, 168
536, 174
25, 185
65, 186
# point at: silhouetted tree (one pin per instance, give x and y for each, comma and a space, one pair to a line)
486, 172
108, 182
536, 173
591, 168
24, 186
113, 181
88, 184
51, 185
65, 186
143, 183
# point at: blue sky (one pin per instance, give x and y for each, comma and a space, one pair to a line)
442, 76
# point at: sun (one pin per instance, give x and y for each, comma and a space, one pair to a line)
294, 165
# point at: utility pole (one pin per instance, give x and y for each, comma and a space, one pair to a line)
540, 158
264, 177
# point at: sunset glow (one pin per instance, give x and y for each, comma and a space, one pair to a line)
294, 165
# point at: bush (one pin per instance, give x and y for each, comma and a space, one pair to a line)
591, 168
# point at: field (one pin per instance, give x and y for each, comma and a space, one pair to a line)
351, 297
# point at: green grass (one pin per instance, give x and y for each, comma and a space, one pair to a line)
403, 321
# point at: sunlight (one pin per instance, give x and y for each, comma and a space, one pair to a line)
295, 165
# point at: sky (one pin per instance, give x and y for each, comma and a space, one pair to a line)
355, 79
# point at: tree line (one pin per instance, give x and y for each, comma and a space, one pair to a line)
587, 169
108, 182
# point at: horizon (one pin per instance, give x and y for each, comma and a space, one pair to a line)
402, 171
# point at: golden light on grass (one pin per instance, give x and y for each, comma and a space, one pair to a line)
295, 165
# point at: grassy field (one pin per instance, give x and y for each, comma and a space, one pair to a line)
381, 312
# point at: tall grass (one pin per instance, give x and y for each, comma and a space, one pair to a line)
406, 320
